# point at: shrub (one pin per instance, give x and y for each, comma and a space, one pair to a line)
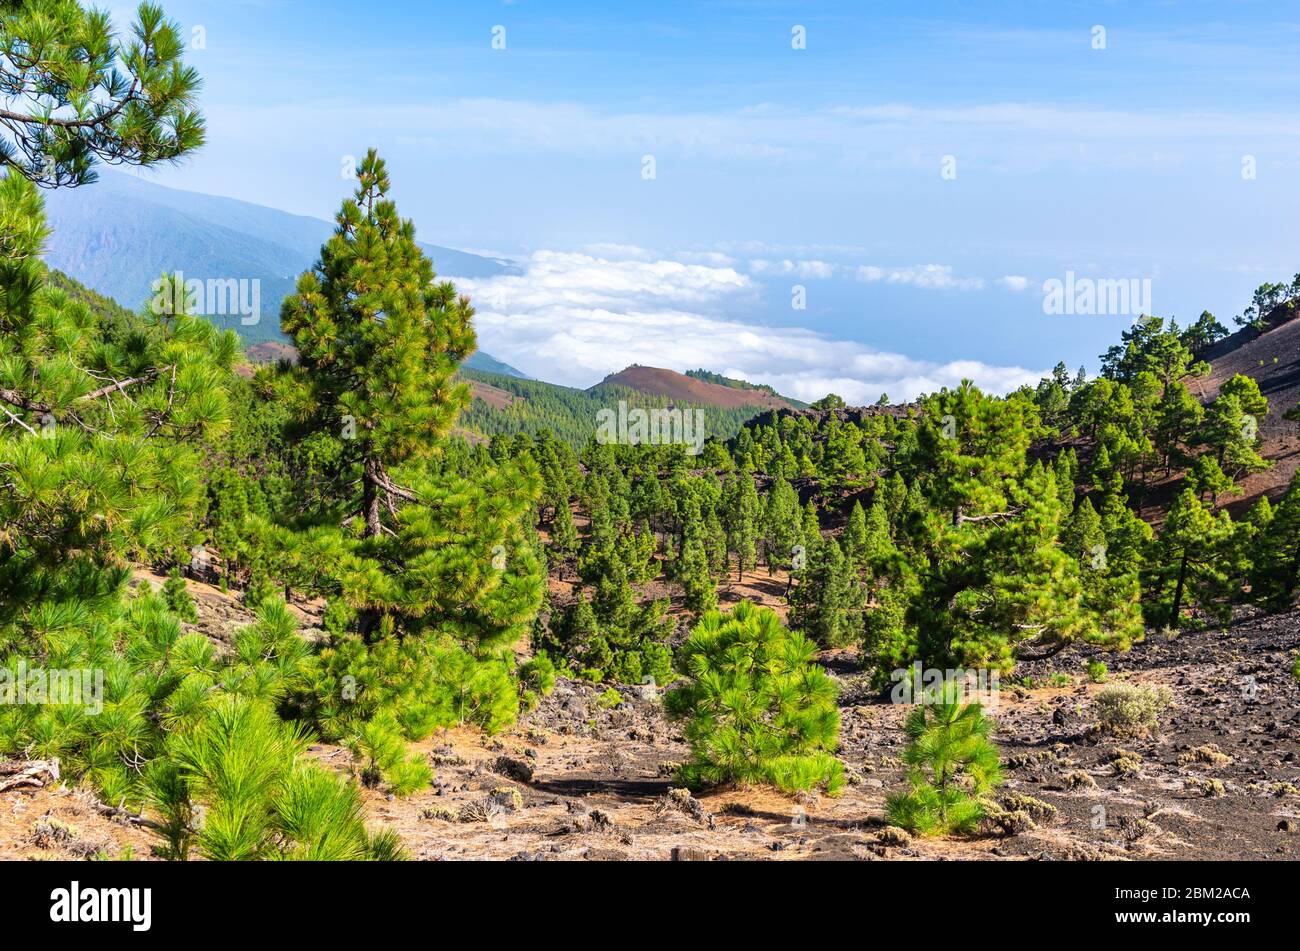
382, 751
538, 674
1097, 671
1131, 709
235, 785
177, 596
610, 699
954, 765
756, 707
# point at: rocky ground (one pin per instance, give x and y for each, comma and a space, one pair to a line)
585, 778
579, 780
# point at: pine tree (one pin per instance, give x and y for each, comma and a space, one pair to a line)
1127, 536
260, 798
1204, 333
969, 446
1176, 419
1275, 574
1188, 559
379, 343
177, 596
98, 438
756, 706
693, 574
879, 553
854, 540
1111, 590
564, 535
953, 766
1005, 592
782, 525
1082, 536
1231, 428
742, 512
827, 604
1208, 478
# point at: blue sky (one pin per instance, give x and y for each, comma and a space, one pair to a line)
776, 168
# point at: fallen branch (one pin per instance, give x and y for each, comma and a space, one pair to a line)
27, 774
125, 815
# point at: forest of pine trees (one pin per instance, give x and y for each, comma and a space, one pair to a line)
965, 530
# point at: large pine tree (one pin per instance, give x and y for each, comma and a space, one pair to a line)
379, 343
441, 562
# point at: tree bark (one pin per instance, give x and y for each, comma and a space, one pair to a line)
370, 496
1178, 592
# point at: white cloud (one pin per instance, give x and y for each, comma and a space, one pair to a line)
1014, 282
574, 318
927, 276
711, 258
821, 270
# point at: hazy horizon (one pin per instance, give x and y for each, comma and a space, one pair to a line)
919, 174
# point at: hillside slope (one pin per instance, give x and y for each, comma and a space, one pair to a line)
269, 351
657, 381
119, 236
1273, 360
573, 416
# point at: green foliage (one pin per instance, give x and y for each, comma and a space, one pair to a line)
177, 597
1097, 671
828, 603
756, 707
88, 95
424, 550
610, 699
1275, 565
1189, 561
423, 683
382, 752
538, 674
953, 766
235, 784
95, 472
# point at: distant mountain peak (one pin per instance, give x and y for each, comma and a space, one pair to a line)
691, 389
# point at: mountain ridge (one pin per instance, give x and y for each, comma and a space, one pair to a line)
658, 381
120, 236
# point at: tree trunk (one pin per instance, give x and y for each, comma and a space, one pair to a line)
370, 497
1178, 592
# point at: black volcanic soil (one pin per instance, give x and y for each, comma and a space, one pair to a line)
578, 779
